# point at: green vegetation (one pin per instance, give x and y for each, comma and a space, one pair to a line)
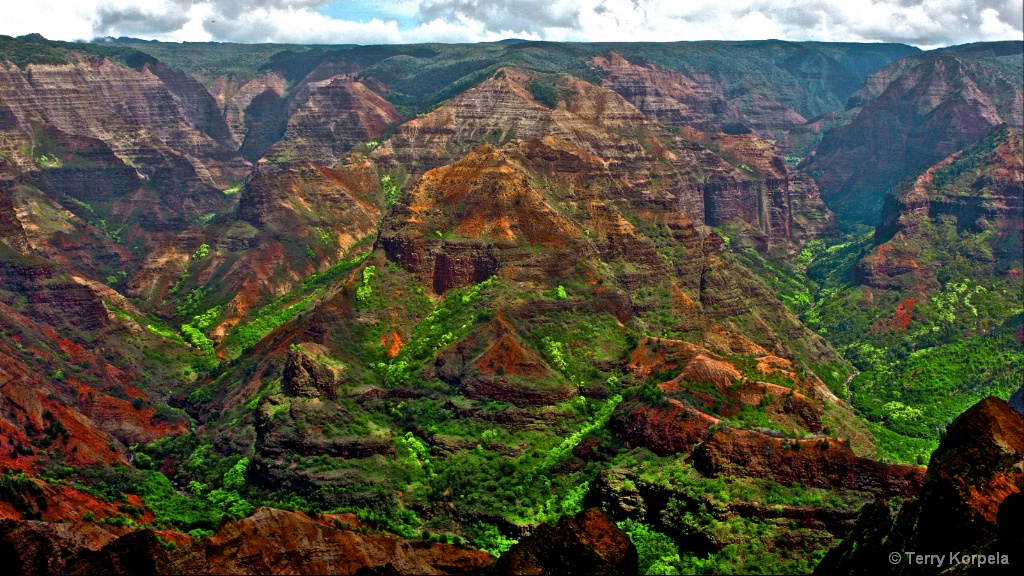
245, 335
365, 290
389, 188
35, 49
658, 553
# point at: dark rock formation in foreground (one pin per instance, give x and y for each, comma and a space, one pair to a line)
272, 541
268, 542
589, 543
971, 505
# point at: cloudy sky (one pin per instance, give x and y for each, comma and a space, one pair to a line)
926, 23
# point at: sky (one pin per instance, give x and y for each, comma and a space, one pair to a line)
927, 23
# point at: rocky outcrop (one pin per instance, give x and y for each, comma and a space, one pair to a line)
819, 462
304, 376
278, 542
914, 113
300, 425
269, 541
979, 189
969, 503
588, 543
494, 363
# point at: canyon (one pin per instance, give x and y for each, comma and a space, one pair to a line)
514, 307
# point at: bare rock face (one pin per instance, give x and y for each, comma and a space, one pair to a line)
328, 117
304, 376
269, 541
161, 109
245, 107
815, 462
979, 188
589, 543
494, 363
913, 113
969, 503
278, 542
666, 96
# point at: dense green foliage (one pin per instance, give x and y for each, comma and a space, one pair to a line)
34, 49
812, 78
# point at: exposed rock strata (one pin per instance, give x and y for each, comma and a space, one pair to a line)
267, 542
969, 502
912, 114
587, 543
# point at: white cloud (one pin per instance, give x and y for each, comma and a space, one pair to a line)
920, 22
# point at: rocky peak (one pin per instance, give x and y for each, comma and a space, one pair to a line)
979, 188
973, 484
667, 96
304, 376
588, 543
912, 114
465, 222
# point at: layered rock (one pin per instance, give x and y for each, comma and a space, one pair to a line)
327, 118
816, 462
167, 113
968, 504
292, 220
666, 96
914, 113
979, 190
590, 542
254, 111
632, 159
267, 542
778, 90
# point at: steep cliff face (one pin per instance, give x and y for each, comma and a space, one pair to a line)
130, 154
159, 107
612, 138
968, 505
329, 117
245, 106
977, 192
815, 462
912, 114
268, 542
667, 96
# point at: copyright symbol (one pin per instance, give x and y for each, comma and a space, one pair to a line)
895, 558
